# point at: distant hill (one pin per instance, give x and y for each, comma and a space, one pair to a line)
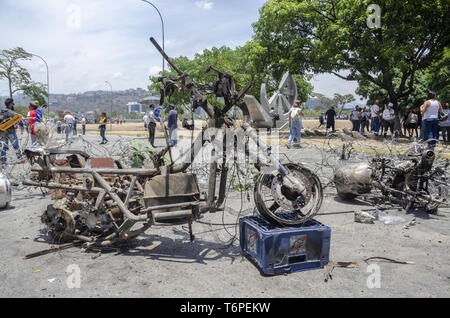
313, 103
88, 101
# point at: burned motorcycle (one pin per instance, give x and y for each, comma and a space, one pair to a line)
411, 182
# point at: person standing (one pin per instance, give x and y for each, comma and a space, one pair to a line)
102, 126
10, 134
430, 112
330, 116
445, 125
274, 116
38, 112
151, 125
375, 117
75, 123
355, 117
411, 123
388, 119
172, 123
403, 123
32, 120
83, 124
365, 119
68, 124
295, 124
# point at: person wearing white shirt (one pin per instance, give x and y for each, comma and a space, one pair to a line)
430, 112
355, 118
151, 125
68, 121
295, 124
388, 119
375, 117
83, 124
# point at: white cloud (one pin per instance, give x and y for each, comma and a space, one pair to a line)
204, 4
118, 74
154, 70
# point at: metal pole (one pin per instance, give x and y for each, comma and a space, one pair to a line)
110, 120
162, 23
48, 85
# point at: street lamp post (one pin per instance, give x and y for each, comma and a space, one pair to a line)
48, 84
162, 23
110, 122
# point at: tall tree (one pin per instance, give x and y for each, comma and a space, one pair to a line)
324, 101
18, 77
342, 100
10, 69
334, 36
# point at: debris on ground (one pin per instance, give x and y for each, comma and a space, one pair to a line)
389, 219
411, 223
328, 269
389, 260
364, 217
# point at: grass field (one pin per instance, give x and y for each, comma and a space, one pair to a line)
137, 129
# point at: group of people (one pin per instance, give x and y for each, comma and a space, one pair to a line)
380, 120
431, 118
153, 116
10, 136
69, 126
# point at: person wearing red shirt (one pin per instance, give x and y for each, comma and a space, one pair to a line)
32, 115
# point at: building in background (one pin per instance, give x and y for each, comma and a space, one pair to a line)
134, 107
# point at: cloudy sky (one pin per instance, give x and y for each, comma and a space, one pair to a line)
88, 42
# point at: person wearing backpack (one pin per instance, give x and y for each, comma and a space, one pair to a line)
10, 134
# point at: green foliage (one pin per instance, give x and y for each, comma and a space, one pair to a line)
10, 70
37, 92
414, 99
438, 77
236, 180
333, 37
140, 152
342, 100
22, 110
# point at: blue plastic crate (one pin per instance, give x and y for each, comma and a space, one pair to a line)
279, 250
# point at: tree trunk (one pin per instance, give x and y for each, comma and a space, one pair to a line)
10, 88
397, 123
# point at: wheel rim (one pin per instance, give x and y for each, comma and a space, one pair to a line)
270, 205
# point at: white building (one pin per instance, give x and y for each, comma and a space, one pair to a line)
134, 107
